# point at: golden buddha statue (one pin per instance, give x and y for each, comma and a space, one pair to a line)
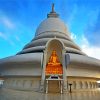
53, 59
54, 66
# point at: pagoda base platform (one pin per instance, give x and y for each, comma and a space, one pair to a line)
9, 94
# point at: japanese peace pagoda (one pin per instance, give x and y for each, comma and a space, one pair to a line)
50, 63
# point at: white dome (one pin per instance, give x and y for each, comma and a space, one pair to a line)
51, 25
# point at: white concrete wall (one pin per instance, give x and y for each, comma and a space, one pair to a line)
22, 69
23, 83
82, 72
82, 83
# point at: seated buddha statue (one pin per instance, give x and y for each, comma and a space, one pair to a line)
54, 59
53, 66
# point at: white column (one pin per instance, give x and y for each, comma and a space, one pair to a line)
74, 85
81, 85
61, 90
84, 85
64, 71
46, 86
93, 85
97, 85
43, 72
90, 85
77, 85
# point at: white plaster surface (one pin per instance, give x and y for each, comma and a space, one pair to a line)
52, 24
30, 95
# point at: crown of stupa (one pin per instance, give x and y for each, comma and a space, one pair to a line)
52, 14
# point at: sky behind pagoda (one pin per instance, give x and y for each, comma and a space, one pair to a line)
20, 18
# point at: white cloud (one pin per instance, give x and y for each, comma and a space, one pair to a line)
17, 38
7, 22
92, 51
3, 36
73, 36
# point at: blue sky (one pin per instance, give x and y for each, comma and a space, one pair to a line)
20, 18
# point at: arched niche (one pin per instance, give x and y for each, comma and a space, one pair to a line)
54, 44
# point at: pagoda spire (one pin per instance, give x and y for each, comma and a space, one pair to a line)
53, 8
52, 13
